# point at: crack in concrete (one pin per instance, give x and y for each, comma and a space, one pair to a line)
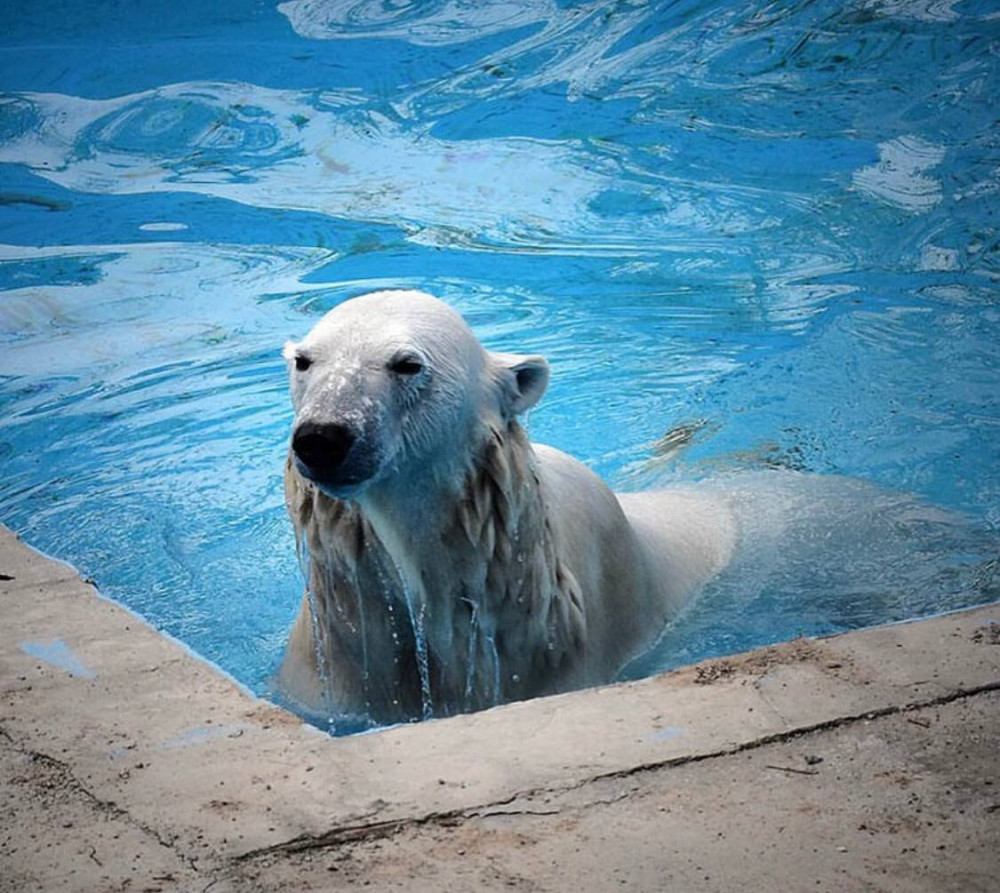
492, 810
511, 812
791, 734
352, 834
380, 830
108, 808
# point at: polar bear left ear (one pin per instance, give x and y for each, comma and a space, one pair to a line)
523, 380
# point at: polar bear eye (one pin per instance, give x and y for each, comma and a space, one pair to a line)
405, 364
302, 363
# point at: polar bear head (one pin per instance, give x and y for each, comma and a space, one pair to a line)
394, 383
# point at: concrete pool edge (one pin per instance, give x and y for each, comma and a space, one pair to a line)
168, 747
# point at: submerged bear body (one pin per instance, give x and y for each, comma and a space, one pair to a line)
453, 565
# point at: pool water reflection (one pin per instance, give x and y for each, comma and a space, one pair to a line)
773, 227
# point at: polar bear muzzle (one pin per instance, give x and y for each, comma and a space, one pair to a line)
323, 454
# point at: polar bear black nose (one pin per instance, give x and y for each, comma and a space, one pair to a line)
321, 447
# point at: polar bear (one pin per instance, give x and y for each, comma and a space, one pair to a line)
452, 564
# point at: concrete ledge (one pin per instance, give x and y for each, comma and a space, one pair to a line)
196, 776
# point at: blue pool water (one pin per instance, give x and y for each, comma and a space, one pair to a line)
769, 229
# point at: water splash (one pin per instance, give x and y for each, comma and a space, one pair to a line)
359, 599
494, 657
417, 616
471, 653
399, 588
483, 682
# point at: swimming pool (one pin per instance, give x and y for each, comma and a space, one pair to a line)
744, 235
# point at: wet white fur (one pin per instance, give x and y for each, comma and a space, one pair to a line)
473, 567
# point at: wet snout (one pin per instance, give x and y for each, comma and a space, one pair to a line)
322, 450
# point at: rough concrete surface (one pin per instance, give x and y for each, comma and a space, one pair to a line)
867, 761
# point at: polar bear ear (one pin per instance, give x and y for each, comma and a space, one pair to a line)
524, 380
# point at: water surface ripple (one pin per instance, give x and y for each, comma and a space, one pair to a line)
746, 235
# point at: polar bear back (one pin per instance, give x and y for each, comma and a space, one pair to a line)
638, 557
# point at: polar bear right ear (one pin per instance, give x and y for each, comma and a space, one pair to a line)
523, 381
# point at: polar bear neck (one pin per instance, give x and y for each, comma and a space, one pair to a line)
525, 601
469, 597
